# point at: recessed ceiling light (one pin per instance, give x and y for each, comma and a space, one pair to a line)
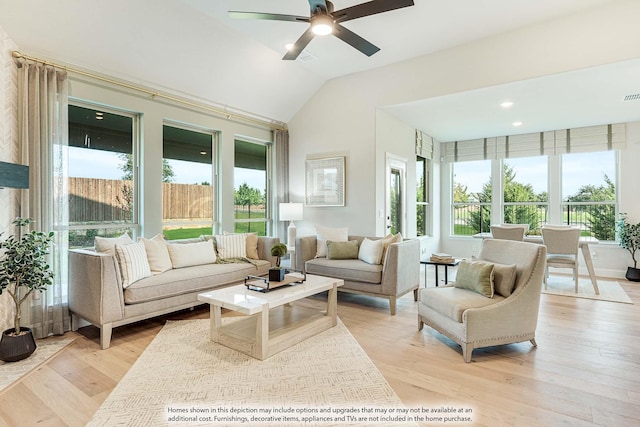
516, 124
506, 104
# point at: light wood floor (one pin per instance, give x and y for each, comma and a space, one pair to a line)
585, 370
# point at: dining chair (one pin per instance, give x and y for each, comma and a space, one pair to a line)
509, 231
562, 249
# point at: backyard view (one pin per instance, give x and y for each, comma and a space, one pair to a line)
588, 195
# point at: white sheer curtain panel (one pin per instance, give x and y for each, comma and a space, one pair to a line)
43, 136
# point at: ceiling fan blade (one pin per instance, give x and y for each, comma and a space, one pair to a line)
269, 16
299, 45
369, 8
354, 40
315, 4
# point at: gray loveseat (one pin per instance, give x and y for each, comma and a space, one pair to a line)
398, 275
96, 293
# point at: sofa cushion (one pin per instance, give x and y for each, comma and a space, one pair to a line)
157, 254
346, 269
452, 302
342, 250
190, 254
371, 251
231, 245
107, 245
476, 276
132, 259
326, 233
388, 240
504, 278
191, 279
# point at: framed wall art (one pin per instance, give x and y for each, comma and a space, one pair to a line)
324, 182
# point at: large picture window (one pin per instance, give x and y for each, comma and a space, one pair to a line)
102, 174
471, 197
187, 182
251, 188
525, 191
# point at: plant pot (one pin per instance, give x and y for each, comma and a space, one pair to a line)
633, 274
14, 348
276, 274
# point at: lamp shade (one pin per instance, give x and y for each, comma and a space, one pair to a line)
13, 175
290, 211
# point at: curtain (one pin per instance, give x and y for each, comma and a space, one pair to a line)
281, 139
43, 138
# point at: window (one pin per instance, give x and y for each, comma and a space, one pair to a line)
525, 191
187, 178
589, 193
102, 176
422, 197
250, 187
471, 197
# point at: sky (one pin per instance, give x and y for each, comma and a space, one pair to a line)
578, 170
106, 165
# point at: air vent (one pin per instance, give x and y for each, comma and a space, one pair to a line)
306, 57
634, 97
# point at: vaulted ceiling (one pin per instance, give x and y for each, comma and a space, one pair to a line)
193, 48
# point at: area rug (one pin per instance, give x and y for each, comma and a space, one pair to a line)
183, 378
45, 349
609, 290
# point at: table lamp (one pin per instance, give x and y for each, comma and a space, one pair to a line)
291, 212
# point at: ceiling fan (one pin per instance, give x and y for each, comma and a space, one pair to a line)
324, 20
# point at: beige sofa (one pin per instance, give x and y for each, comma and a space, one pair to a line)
96, 293
398, 275
474, 320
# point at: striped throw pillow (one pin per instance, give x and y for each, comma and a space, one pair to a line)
232, 245
133, 263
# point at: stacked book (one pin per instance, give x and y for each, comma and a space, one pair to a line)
442, 258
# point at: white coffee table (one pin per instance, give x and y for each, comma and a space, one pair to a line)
273, 323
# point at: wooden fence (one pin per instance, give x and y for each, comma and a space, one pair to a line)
92, 199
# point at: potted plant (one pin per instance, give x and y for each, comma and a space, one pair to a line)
276, 273
629, 238
23, 269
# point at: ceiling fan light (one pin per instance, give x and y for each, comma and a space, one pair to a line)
322, 25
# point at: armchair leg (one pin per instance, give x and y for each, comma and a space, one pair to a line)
415, 294
533, 342
420, 323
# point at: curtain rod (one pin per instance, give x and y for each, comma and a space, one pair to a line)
274, 125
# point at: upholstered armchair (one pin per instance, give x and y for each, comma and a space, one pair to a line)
475, 320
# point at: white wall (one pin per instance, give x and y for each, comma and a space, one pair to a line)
9, 152
341, 116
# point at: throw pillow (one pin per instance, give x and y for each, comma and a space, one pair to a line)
371, 251
388, 240
107, 245
333, 234
252, 244
232, 245
157, 254
132, 259
476, 276
342, 250
190, 254
504, 278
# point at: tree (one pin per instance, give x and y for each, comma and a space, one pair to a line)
248, 196
600, 218
127, 168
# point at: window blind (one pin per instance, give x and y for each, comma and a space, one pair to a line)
424, 145
576, 140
